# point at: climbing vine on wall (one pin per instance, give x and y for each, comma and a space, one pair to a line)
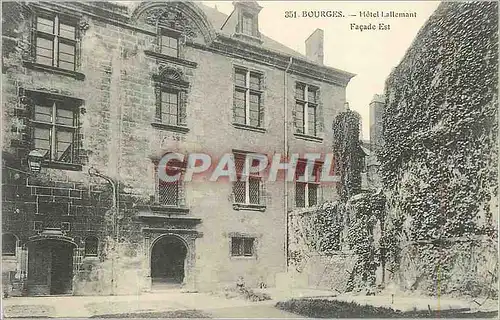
347, 153
367, 210
317, 231
439, 159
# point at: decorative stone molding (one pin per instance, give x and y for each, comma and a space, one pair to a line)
84, 26
169, 59
185, 17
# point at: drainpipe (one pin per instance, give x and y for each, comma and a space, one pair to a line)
285, 145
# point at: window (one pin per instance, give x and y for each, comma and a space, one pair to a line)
91, 245
247, 97
242, 247
169, 106
247, 24
306, 190
169, 193
55, 42
306, 104
171, 89
9, 243
169, 44
55, 128
247, 190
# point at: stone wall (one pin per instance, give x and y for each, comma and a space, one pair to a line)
119, 140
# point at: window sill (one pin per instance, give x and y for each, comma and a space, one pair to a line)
249, 128
249, 207
168, 58
308, 137
170, 127
244, 257
52, 69
157, 208
62, 165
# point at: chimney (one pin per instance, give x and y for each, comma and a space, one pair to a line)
314, 46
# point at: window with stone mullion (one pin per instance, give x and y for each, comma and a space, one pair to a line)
247, 190
55, 130
55, 43
247, 98
306, 109
306, 190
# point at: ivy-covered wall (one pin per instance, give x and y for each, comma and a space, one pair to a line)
439, 161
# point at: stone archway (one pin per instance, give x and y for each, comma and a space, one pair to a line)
168, 262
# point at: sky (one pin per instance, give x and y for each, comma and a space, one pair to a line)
370, 54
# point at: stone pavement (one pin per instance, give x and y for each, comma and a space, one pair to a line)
87, 306
215, 305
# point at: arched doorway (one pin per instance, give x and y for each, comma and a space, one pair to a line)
50, 267
168, 261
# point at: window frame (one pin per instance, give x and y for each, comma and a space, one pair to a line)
54, 127
180, 187
248, 91
172, 34
246, 180
241, 247
308, 184
57, 39
160, 112
56, 102
86, 253
171, 80
248, 17
306, 104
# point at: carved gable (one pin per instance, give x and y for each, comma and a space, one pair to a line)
171, 18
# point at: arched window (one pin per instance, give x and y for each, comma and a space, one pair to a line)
9, 242
91, 245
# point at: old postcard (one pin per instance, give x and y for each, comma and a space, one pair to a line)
249, 159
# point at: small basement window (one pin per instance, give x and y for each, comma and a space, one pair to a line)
91, 245
242, 247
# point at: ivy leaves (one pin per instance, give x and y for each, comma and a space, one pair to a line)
439, 158
347, 153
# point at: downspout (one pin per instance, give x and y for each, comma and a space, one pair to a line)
285, 145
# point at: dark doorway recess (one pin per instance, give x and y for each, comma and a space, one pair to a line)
50, 267
168, 258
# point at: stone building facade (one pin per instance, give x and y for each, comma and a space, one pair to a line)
111, 88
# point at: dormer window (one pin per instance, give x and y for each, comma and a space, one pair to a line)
169, 43
247, 26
